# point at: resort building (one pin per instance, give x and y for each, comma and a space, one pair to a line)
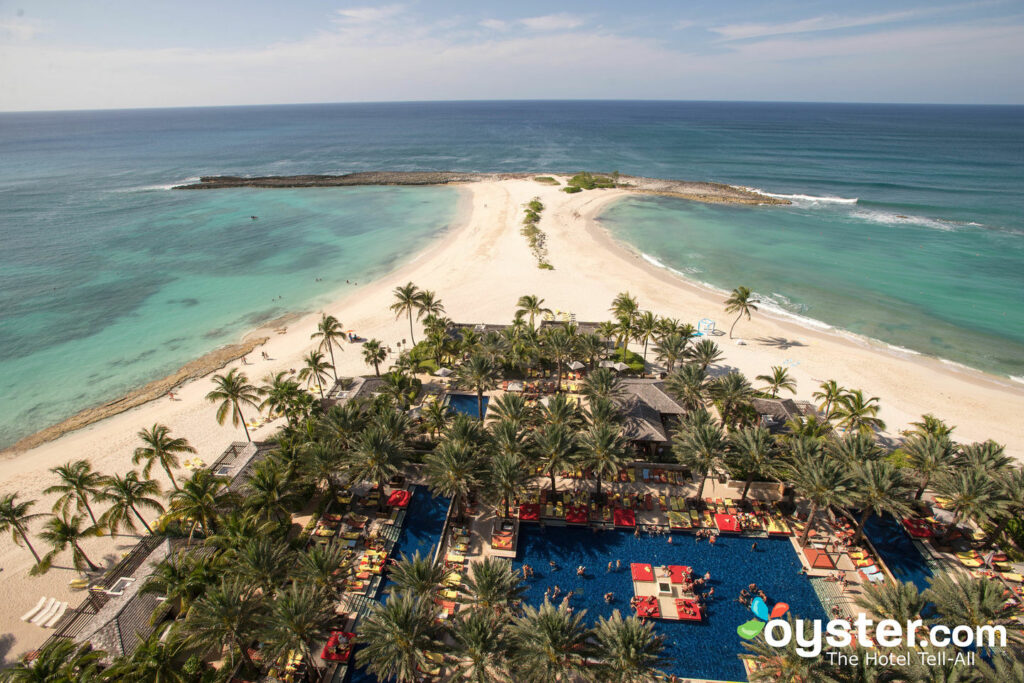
776, 412
349, 389
650, 414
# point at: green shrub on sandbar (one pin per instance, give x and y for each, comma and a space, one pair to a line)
571, 189
546, 180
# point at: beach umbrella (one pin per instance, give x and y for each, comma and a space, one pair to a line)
515, 386
620, 366
443, 372
576, 365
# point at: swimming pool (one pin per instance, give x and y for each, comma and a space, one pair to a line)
465, 404
421, 531
898, 551
705, 650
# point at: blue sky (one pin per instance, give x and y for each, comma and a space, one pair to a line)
116, 53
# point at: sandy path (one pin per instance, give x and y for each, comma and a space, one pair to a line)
479, 270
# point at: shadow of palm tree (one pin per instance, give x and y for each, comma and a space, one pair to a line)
779, 342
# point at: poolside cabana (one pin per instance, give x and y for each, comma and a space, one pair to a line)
399, 498
727, 524
620, 517
819, 559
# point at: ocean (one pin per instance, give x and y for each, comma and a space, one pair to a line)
907, 222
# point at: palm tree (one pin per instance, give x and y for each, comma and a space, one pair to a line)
453, 470
823, 482
971, 494
60, 660
671, 349
400, 388
507, 478
754, 449
741, 303
689, 385
549, 643
702, 449
78, 481
559, 345
314, 370
511, 408
624, 308
436, 417
630, 652
330, 334
477, 374
428, 303
644, 329
560, 410
160, 449
297, 618
930, 425
555, 446
974, 602
534, 306
397, 638
1012, 504
733, 393
406, 299
705, 353
988, 456
376, 457
829, 393
281, 394
126, 495
374, 354
263, 562
603, 451
199, 501
229, 615
481, 647
418, 575
323, 565
270, 493
61, 533
492, 584
879, 487
900, 601
156, 659
15, 516
858, 414
929, 455
603, 383
779, 379
854, 448
233, 391
182, 578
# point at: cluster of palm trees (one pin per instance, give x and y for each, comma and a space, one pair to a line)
80, 488
494, 639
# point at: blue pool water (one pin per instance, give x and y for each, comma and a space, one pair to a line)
898, 551
705, 650
465, 404
424, 521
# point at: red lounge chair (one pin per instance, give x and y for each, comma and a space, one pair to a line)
727, 523
625, 518
918, 528
576, 514
642, 572
332, 653
688, 610
399, 499
529, 512
677, 573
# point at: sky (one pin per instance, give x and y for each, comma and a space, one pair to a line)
108, 54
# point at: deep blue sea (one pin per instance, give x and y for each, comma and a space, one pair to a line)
907, 223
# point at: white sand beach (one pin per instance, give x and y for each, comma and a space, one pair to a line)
479, 269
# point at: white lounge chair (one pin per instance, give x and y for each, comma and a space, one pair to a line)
52, 621
47, 612
35, 610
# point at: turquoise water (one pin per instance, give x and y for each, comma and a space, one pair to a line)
898, 551
466, 404
108, 281
164, 277
942, 287
707, 649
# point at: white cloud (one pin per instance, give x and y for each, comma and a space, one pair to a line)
494, 24
683, 23
19, 29
368, 15
552, 22
811, 24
